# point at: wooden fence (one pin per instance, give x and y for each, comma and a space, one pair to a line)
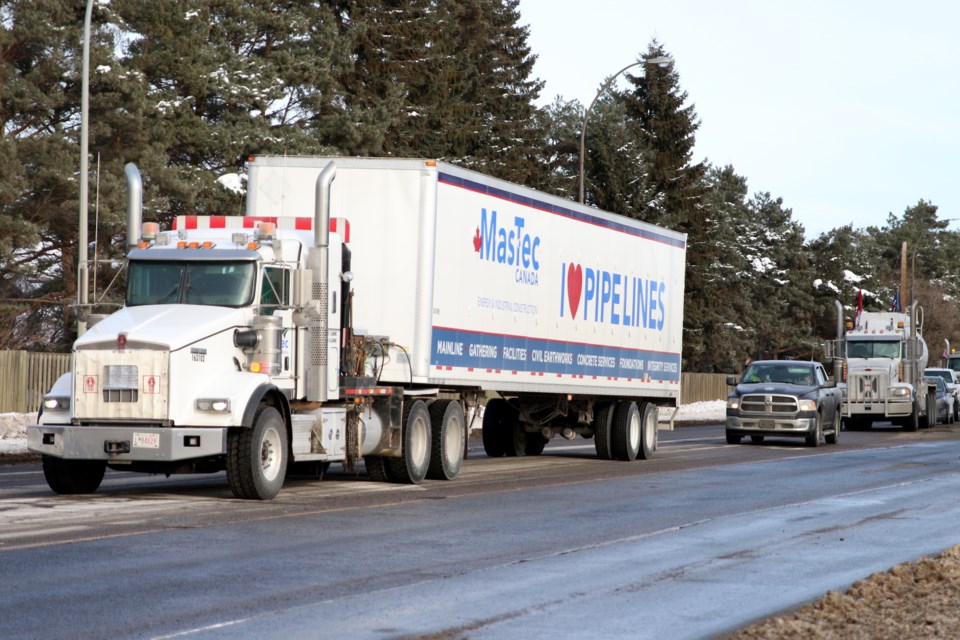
26, 376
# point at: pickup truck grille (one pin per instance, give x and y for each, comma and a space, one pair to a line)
766, 403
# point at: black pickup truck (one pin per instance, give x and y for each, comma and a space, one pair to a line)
784, 398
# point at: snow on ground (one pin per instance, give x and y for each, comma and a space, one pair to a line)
13, 426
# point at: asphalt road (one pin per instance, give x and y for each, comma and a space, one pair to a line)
698, 541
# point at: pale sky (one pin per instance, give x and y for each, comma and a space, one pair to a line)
846, 109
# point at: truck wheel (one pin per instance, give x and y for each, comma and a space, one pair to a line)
447, 427
376, 468
813, 440
499, 420
733, 438
411, 467
648, 430
257, 457
834, 436
602, 419
70, 477
913, 422
626, 430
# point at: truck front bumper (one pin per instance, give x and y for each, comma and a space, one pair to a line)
126, 443
770, 426
880, 409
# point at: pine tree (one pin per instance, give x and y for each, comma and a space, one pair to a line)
666, 126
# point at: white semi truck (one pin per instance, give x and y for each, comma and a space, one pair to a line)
289, 337
884, 357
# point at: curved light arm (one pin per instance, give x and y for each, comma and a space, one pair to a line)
660, 60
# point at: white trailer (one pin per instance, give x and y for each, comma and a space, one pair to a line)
288, 336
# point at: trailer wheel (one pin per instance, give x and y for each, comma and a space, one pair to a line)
533, 444
648, 430
498, 420
448, 429
70, 477
625, 434
257, 457
411, 467
602, 418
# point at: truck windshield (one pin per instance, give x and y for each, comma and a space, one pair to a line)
873, 349
226, 284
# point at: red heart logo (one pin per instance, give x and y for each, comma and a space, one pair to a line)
574, 287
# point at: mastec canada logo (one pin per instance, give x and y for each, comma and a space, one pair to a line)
512, 246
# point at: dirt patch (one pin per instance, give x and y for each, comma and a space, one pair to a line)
913, 600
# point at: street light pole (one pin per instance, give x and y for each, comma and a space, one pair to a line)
82, 279
659, 60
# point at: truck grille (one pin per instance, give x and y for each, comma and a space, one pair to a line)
120, 383
768, 404
866, 387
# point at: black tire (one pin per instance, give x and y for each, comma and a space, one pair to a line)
625, 432
534, 444
813, 440
756, 439
502, 435
257, 457
376, 468
72, 477
834, 436
912, 423
414, 462
733, 438
649, 415
602, 419
495, 418
448, 429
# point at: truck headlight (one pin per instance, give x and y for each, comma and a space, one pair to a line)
56, 403
808, 405
213, 405
899, 392
733, 403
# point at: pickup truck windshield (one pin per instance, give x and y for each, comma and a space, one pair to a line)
784, 374
225, 284
873, 349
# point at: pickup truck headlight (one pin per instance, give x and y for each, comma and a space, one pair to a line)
899, 392
808, 405
56, 403
733, 403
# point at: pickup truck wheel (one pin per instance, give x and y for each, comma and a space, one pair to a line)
834, 436
625, 433
602, 419
498, 422
70, 477
447, 428
756, 439
733, 438
411, 467
257, 457
813, 440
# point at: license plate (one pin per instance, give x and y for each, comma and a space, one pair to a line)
146, 440
767, 424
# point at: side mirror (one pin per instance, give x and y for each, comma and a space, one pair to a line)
732, 381
830, 384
